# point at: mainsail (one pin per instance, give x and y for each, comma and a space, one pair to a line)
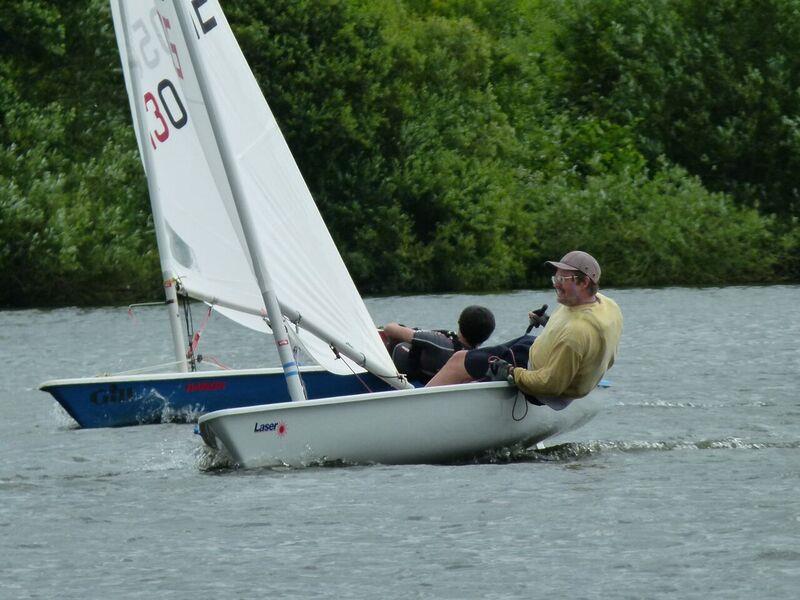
200, 235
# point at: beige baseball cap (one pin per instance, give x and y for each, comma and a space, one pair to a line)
578, 260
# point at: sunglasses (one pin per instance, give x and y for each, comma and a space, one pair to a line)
563, 278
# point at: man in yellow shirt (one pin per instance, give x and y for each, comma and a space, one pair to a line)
578, 345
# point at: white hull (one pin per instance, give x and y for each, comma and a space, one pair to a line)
427, 425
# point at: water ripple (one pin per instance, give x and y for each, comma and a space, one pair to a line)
575, 451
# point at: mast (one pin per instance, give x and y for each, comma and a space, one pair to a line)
265, 284
175, 323
170, 291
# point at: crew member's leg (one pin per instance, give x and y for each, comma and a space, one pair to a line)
468, 365
452, 372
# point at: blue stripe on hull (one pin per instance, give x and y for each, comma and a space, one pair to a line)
153, 401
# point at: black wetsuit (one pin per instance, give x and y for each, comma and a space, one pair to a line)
513, 351
426, 354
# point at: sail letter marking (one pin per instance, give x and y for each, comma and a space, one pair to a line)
176, 61
207, 25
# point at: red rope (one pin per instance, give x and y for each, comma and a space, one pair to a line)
196, 337
216, 362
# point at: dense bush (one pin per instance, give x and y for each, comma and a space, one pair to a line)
449, 145
75, 225
664, 229
713, 86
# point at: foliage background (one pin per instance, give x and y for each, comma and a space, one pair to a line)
451, 145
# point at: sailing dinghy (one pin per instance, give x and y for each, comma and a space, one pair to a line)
303, 282
201, 240
425, 425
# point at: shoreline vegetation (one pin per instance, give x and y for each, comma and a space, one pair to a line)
450, 146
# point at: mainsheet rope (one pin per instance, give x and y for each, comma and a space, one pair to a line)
494, 358
347, 364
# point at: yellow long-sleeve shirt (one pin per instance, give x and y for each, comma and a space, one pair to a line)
578, 345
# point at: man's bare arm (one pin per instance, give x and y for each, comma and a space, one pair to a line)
398, 332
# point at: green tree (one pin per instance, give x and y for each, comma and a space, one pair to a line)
74, 219
449, 145
713, 86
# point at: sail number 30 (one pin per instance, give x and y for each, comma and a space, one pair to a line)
168, 96
152, 105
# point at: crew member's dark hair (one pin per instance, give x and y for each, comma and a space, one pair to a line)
476, 324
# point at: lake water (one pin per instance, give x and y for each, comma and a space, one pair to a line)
686, 486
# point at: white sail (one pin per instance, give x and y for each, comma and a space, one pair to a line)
205, 248
201, 239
